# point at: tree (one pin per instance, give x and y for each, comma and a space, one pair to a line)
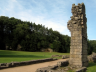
56, 45
30, 36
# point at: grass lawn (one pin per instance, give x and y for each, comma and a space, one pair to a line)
91, 67
7, 56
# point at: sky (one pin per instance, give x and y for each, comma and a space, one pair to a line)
51, 13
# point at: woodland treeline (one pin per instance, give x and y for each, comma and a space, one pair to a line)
34, 37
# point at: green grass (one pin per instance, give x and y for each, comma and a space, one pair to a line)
7, 56
91, 67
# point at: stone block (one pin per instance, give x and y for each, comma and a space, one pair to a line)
65, 56
78, 31
83, 69
3, 64
14, 64
9, 65
62, 63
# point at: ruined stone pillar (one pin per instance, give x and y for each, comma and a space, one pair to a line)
78, 28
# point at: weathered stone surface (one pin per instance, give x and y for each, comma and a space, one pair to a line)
52, 68
46, 50
78, 28
9, 65
65, 68
14, 64
65, 56
92, 57
62, 63
45, 69
3, 64
83, 69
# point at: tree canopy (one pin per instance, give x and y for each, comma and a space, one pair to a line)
32, 37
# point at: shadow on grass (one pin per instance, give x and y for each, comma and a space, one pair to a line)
92, 64
6, 52
23, 56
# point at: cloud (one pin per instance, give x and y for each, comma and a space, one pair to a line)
52, 14
62, 28
55, 19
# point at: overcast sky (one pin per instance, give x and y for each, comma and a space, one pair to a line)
51, 13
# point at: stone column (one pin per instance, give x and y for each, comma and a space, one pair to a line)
78, 28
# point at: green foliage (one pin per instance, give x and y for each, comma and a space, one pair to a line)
91, 46
33, 37
56, 45
30, 36
51, 46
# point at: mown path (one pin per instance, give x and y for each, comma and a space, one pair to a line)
33, 67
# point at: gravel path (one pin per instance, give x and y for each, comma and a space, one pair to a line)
31, 68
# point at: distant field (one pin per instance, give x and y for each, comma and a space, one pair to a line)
7, 56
